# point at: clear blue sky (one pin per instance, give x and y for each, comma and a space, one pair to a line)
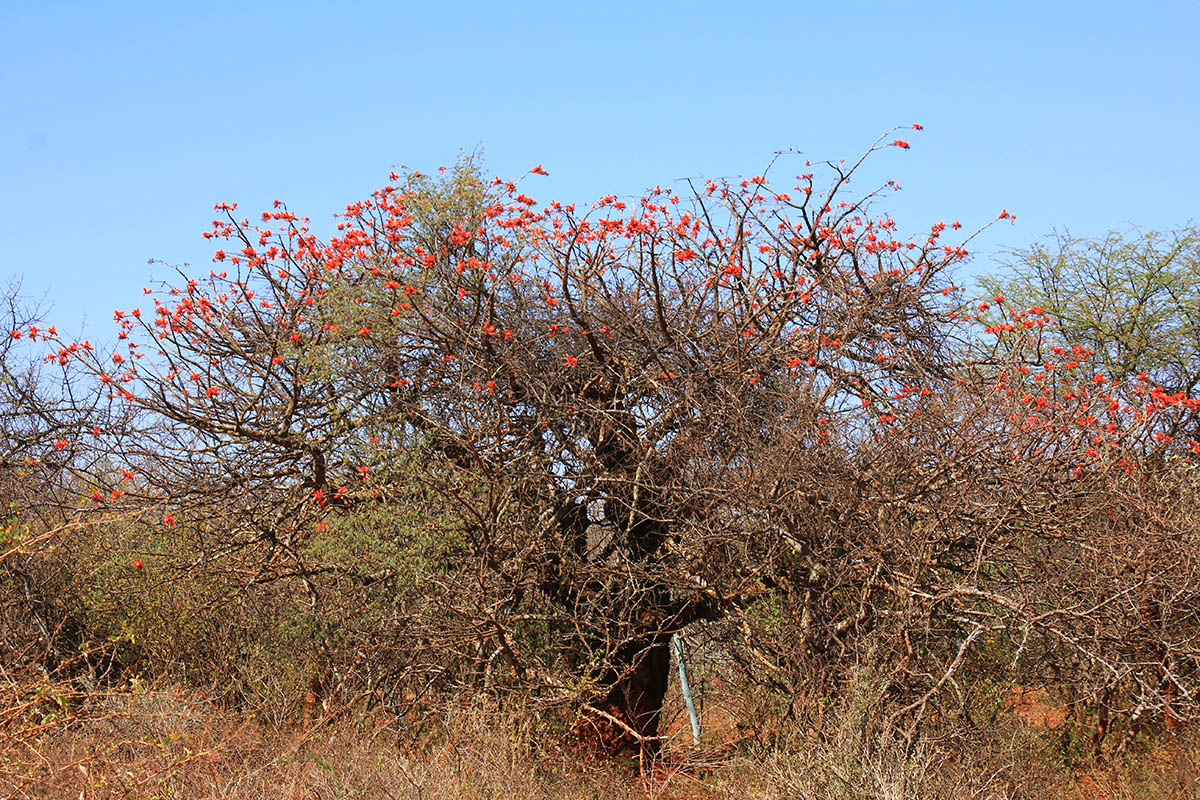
122, 123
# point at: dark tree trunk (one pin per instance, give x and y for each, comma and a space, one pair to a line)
637, 683
634, 682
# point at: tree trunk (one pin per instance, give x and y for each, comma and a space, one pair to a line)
632, 706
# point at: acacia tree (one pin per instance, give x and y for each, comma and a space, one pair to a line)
744, 407
1129, 296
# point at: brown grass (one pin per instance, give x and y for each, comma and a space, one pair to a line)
171, 744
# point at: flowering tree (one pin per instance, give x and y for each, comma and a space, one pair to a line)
747, 407
50, 415
1123, 310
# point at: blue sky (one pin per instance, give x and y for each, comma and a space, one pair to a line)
122, 123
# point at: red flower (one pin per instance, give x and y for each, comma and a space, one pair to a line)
539, 171
137, 563
168, 519
902, 144
572, 361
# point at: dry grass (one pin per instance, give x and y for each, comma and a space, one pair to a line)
171, 744
166, 744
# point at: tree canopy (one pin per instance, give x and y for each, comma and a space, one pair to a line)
547, 438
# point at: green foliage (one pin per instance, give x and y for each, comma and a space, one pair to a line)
1131, 296
397, 542
12, 529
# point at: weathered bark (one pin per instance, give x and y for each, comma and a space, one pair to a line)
631, 708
